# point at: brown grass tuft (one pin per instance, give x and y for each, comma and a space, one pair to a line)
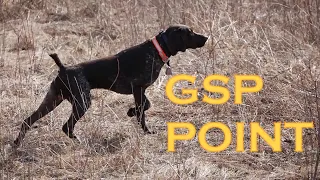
278, 40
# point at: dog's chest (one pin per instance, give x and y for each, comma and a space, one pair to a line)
151, 71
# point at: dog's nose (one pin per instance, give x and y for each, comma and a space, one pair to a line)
206, 38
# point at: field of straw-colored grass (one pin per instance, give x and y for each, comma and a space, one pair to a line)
278, 40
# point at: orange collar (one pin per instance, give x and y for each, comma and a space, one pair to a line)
162, 54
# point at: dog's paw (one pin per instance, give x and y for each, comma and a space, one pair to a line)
150, 132
76, 140
15, 144
131, 112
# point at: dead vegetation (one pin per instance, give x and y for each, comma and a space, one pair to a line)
278, 40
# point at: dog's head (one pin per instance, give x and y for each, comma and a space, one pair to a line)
181, 37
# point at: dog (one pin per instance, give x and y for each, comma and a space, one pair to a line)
131, 71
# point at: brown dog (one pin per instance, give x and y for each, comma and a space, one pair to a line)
130, 71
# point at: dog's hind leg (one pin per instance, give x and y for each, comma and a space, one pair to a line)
78, 110
81, 101
51, 101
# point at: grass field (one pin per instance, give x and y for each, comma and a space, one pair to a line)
278, 40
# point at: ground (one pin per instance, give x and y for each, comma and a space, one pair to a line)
277, 40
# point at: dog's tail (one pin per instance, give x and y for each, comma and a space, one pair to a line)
56, 59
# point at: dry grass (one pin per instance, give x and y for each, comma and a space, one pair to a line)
278, 40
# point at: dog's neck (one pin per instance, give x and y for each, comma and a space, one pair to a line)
161, 53
160, 42
163, 42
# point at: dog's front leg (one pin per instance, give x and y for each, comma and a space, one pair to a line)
142, 104
132, 111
